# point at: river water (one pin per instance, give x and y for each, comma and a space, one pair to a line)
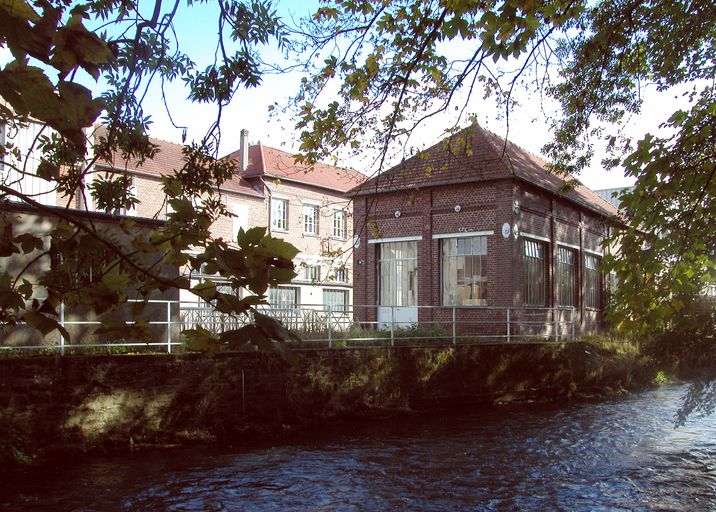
620, 454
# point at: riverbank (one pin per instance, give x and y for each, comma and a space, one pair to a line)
52, 406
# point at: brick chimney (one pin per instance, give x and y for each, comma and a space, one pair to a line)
244, 150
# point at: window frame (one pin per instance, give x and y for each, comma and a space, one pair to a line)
282, 304
310, 218
339, 224
279, 215
593, 282
478, 252
397, 273
566, 276
336, 308
311, 269
340, 275
534, 265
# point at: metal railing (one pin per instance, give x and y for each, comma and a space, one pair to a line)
338, 326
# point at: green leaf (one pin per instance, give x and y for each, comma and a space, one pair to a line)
42, 323
29, 242
48, 171
113, 278
250, 237
76, 46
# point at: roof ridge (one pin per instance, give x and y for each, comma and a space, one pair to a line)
515, 145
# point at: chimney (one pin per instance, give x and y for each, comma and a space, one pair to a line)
244, 150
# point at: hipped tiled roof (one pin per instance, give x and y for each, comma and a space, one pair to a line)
473, 155
270, 162
168, 158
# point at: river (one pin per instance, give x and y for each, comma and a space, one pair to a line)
618, 454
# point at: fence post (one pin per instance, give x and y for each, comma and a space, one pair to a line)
555, 315
169, 327
62, 323
330, 338
392, 326
508, 325
454, 326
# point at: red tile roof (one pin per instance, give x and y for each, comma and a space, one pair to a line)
275, 163
475, 154
168, 158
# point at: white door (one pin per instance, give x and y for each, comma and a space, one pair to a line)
398, 285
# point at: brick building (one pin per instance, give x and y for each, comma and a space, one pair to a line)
305, 205
302, 205
473, 226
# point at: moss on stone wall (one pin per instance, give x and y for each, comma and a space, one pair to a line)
106, 402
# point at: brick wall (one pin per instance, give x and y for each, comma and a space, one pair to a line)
315, 248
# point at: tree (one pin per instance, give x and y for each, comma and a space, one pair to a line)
397, 64
54, 52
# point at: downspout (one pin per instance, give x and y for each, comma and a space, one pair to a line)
268, 204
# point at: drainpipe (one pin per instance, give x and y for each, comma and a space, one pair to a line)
268, 205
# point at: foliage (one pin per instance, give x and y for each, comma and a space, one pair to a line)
667, 252
98, 262
397, 64
700, 399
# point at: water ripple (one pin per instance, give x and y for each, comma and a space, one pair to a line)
615, 455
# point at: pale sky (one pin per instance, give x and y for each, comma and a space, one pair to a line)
249, 109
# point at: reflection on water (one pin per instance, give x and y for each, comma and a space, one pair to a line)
615, 455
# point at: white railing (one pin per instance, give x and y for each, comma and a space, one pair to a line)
341, 326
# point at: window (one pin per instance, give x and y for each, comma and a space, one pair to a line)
335, 300
566, 277
339, 275
279, 214
593, 281
398, 270
464, 271
312, 273
310, 219
339, 224
284, 297
533, 262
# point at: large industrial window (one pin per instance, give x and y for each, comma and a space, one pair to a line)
593, 281
464, 271
398, 268
533, 268
279, 214
566, 277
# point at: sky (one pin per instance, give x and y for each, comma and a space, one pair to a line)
249, 108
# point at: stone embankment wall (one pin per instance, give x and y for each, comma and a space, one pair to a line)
51, 404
